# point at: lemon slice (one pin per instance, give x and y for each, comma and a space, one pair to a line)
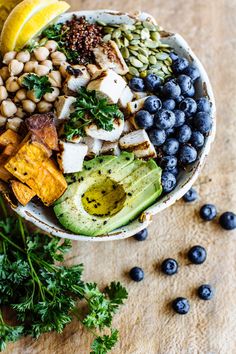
39, 21
5, 9
19, 16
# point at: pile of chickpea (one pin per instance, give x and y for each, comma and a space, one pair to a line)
16, 102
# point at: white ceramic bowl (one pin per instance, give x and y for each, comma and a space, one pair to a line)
45, 219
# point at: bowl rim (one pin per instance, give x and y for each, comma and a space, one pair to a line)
128, 231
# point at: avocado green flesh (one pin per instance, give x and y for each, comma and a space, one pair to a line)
92, 207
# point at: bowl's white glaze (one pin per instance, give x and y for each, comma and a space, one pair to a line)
45, 219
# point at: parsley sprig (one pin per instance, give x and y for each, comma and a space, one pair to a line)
45, 295
38, 84
90, 108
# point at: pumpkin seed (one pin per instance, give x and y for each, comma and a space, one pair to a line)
133, 47
107, 37
151, 44
144, 51
135, 62
162, 56
167, 63
155, 36
134, 41
129, 36
149, 25
119, 42
143, 74
108, 30
136, 36
133, 71
165, 69
125, 53
116, 33
145, 34
143, 58
144, 67
126, 42
100, 23
157, 66
152, 59
134, 52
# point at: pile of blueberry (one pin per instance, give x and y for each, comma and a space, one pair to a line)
176, 122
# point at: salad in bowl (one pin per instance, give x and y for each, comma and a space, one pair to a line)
106, 119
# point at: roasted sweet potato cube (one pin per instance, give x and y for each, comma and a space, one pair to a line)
10, 137
10, 149
23, 193
4, 174
7, 194
42, 125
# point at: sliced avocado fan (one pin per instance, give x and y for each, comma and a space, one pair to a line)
109, 193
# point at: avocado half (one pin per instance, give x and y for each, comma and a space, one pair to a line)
109, 193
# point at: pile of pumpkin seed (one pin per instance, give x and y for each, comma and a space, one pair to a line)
141, 47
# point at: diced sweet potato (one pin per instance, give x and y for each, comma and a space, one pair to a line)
10, 137
42, 125
10, 149
23, 193
6, 193
4, 174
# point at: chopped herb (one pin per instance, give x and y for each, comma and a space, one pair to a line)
39, 85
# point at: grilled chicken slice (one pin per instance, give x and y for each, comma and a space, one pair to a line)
139, 143
108, 56
135, 106
110, 148
71, 156
128, 127
109, 85
126, 97
64, 106
97, 133
79, 77
138, 95
94, 146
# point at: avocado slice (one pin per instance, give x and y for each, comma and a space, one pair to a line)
110, 196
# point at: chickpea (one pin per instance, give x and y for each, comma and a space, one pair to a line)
42, 70
12, 84
64, 65
15, 67
58, 58
4, 72
52, 96
55, 78
41, 53
8, 57
21, 94
23, 56
44, 107
21, 78
3, 93
8, 108
3, 121
47, 63
32, 97
14, 123
30, 66
20, 113
51, 46
28, 106
1, 81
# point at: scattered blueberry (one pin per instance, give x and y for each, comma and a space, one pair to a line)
228, 220
197, 139
181, 305
197, 254
141, 235
136, 273
169, 163
185, 84
203, 105
208, 212
191, 92
168, 104
144, 119
168, 181
170, 131
171, 89
173, 56
189, 106
179, 99
205, 292
169, 266
175, 171
187, 154
203, 122
164, 119
137, 84
171, 146
152, 82
179, 65
179, 118
152, 104
184, 134
192, 72
157, 136
190, 196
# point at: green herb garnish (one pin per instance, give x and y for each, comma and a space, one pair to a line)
38, 84
89, 108
46, 296
53, 32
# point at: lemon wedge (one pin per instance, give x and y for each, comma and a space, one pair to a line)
19, 16
5, 9
39, 21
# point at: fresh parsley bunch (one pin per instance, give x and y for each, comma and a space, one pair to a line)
38, 84
89, 108
44, 294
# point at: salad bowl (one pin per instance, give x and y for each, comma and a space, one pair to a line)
45, 219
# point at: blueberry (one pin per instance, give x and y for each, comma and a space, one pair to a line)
169, 163
171, 146
189, 106
152, 82
184, 133
228, 220
179, 99
136, 273
164, 119
170, 131
190, 196
187, 154
203, 105
152, 104
208, 212
137, 84
175, 171
173, 56
197, 139
191, 92
192, 72
168, 104
205, 292
168, 181
203, 122
141, 235
181, 305
169, 266
185, 84
157, 136
179, 118
171, 89
179, 65
197, 254
144, 119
